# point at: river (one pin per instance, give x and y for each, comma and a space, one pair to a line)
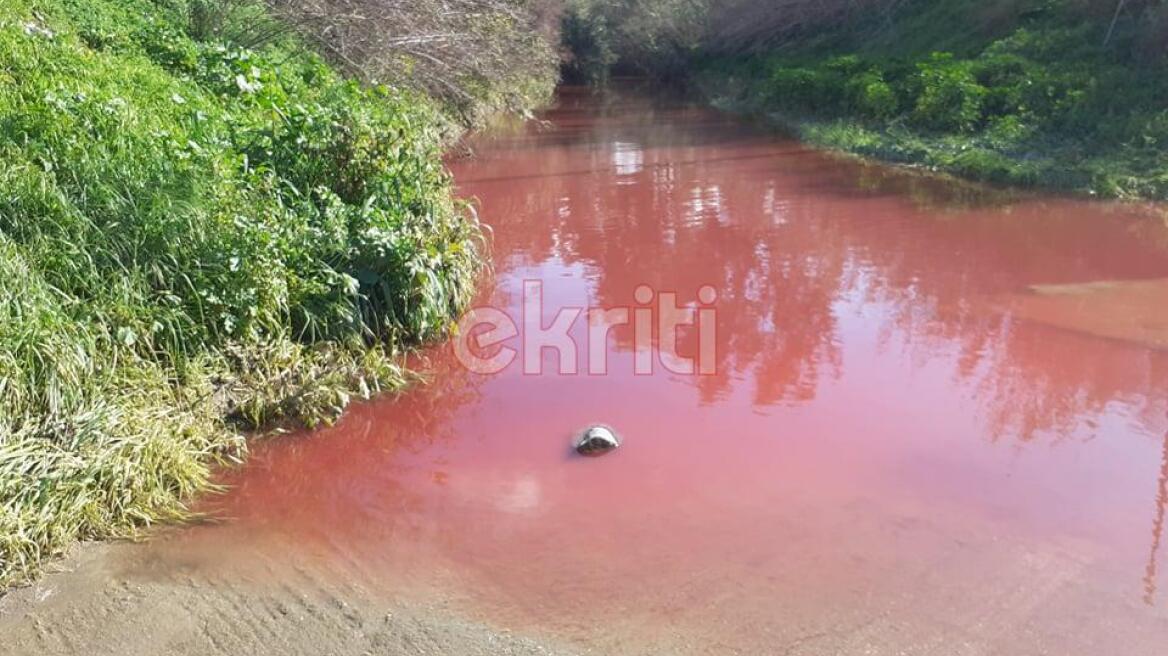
930, 418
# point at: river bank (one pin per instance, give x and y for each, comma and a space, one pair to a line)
1058, 95
1011, 151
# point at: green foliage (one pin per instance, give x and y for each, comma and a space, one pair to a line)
871, 96
805, 89
194, 237
949, 96
587, 38
658, 37
842, 85
1033, 96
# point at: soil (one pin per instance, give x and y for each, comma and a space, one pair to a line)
106, 600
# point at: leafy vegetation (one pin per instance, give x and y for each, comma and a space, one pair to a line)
196, 237
1066, 94
657, 36
1046, 105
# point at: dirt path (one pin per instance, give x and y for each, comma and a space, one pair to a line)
107, 601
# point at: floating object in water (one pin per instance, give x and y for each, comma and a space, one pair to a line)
597, 440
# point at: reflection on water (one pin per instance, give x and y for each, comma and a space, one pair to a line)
892, 456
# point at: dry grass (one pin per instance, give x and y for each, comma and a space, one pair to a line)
478, 56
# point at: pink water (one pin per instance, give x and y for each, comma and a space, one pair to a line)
889, 458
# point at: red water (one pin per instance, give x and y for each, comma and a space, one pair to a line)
887, 460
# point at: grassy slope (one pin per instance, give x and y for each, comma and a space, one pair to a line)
194, 239
1025, 95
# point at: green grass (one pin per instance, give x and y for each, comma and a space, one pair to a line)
196, 239
1032, 96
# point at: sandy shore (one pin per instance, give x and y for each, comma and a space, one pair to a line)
106, 600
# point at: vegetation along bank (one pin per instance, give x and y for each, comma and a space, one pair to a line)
216, 215
1064, 94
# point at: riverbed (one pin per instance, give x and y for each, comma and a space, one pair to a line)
929, 418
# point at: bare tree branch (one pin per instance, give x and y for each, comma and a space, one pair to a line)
468, 53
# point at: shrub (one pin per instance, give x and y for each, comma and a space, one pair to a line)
194, 238
806, 89
654, 37
1009, 80
872, 97
587, 37
950, 97
1154, 132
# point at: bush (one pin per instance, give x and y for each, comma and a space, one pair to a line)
194, 237
1009, 80
806, 89
654, 37
1154, 133
950, 97
838, 85
872, 97
587, 37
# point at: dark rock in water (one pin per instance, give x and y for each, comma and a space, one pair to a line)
596, 441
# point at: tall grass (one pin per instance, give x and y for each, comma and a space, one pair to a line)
196, 238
